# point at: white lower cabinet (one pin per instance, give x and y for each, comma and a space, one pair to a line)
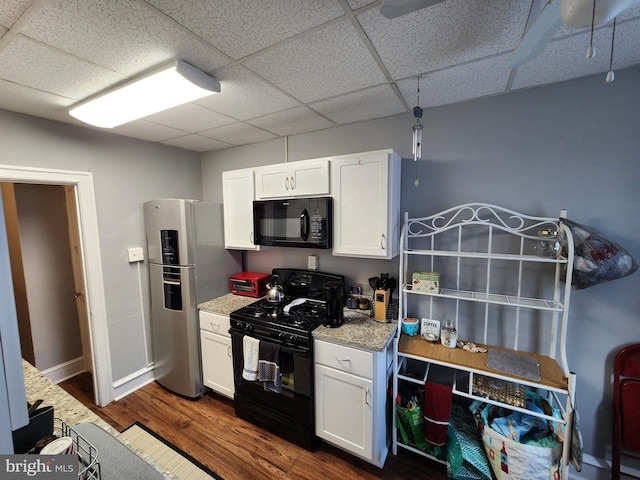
351, 400
217, 361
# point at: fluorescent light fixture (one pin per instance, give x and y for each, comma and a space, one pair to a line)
170, 86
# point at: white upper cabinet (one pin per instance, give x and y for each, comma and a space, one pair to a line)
306, 178
366, 204
238, 195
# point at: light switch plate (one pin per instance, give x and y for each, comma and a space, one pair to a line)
136, 254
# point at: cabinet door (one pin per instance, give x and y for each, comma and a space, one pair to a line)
238, 195
366, 205
311, 178
295, 179
344, 410
217, 363
273, 181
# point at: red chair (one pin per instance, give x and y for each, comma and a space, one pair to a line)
626, 405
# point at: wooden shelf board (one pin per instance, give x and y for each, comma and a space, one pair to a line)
550, 372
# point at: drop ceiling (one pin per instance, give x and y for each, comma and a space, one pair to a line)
285, 66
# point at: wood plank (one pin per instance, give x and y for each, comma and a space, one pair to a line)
550, 373
209, 431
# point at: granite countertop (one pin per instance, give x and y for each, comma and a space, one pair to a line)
226, 304
359, 329
70, 410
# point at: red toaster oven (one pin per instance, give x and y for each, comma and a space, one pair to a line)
249, 284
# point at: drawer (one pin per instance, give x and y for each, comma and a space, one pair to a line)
346, 359
214, 323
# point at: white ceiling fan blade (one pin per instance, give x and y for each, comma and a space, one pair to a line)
396, 8
578, 13
536, 38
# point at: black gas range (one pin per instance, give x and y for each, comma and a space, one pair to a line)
286, 326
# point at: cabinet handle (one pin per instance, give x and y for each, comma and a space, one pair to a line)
383, 242
343, 359
214, 326
366, 396
286, 183
251, 237
293, 183
229, 351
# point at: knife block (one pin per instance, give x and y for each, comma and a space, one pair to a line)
381, 304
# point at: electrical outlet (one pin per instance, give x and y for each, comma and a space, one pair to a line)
312, 262
136, 254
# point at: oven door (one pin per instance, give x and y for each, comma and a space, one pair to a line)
296, 397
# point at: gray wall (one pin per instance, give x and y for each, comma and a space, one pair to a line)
126, 173
46, 259
572, 145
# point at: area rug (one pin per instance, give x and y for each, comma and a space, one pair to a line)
167, 455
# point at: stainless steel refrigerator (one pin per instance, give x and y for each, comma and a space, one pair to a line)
188, 265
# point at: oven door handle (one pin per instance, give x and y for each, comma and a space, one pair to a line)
283, 347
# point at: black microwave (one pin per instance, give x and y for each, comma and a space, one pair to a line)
293, 222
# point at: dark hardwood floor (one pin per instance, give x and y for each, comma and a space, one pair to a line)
210, 432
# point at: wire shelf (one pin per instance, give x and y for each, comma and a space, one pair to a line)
87, 453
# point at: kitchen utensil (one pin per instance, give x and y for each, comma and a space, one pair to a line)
297, 301
275, 294
33, 407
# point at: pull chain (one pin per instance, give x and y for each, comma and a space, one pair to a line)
610, 75
591, 52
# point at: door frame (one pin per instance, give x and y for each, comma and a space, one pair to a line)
91, 261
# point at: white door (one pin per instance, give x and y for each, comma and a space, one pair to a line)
344, 410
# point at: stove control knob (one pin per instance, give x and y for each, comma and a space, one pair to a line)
281, 336
292, 338
248, 327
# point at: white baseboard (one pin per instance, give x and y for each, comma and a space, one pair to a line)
64, 371
133, 382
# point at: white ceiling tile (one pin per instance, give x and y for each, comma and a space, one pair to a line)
240, 28
44, 68
11, 11
376, 102
190, 117
145, 130
565, 59
238, 134
243, 95
124, 36
327, 62
285, 66
197, 143
21, 99
460, 83
355, 4
445, 34
292, 122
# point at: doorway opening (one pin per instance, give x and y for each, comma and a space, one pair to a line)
48, 278
78, 186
